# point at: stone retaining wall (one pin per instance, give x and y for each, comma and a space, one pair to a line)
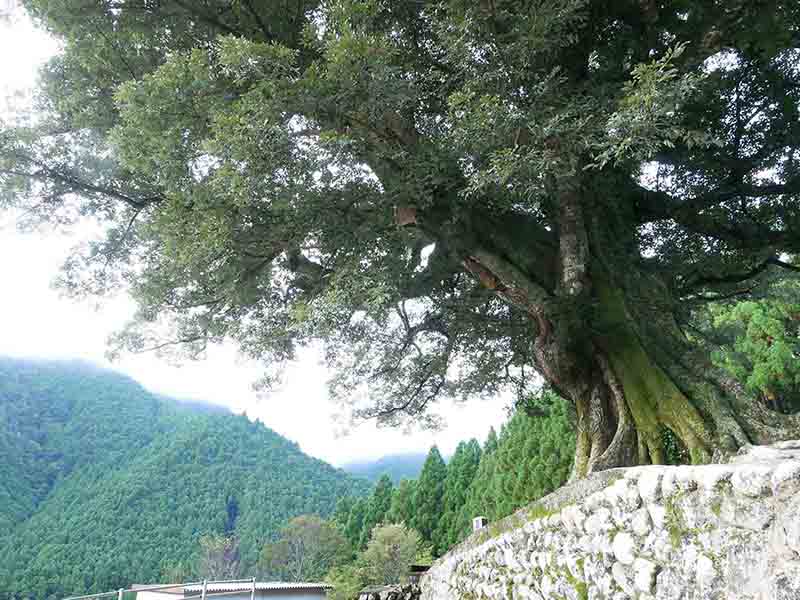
726, 531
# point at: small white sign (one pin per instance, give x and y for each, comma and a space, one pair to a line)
479, 523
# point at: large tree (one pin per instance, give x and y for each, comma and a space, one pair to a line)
391, 551
452, 195
402, 508
760, 344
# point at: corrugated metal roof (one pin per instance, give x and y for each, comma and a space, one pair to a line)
260, 585
139, 587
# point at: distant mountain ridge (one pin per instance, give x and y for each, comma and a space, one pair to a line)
196, 405
397, 466
103, 483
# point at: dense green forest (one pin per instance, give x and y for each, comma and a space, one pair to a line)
531, 457
103, 484
107, 484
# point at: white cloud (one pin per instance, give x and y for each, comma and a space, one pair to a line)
22, 49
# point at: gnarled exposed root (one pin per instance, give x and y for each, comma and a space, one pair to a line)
623, 449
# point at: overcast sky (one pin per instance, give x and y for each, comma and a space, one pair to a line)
36, 322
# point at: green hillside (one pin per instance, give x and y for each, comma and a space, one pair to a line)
103, 484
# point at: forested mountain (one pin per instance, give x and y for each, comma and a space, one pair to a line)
396, 466
103, 484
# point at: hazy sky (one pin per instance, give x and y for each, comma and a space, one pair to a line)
35, 321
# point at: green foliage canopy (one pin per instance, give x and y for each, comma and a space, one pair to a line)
760, 344
461, 471
378, 507
402, 509
530, 458
451, 195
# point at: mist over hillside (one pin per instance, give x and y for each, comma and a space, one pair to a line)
396, 466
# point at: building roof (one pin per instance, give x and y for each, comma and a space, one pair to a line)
177, 590
260, 585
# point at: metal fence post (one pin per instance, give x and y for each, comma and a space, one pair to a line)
203, 593
253, 590
120, 593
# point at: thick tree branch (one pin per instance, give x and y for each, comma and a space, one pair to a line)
734, 278
655, 206
207, 18
658, 205
261, 24
45, 175
507, 281
309, 274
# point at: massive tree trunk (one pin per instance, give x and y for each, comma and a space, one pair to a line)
631, 383
606, 338
623, 398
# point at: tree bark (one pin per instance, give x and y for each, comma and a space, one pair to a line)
604, 336
627, 391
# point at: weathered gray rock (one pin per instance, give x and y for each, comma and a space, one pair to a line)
641, 524
624, 547
727, 532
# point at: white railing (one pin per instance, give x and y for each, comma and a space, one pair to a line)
203, 595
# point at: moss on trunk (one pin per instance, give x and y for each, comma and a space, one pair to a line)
647, 394
651, 395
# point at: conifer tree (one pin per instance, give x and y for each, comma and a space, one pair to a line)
430, 491
759, 343
342, 511
477, 496
402, 508
355, 522
460, 472
379, 504
490, 445
530, 458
